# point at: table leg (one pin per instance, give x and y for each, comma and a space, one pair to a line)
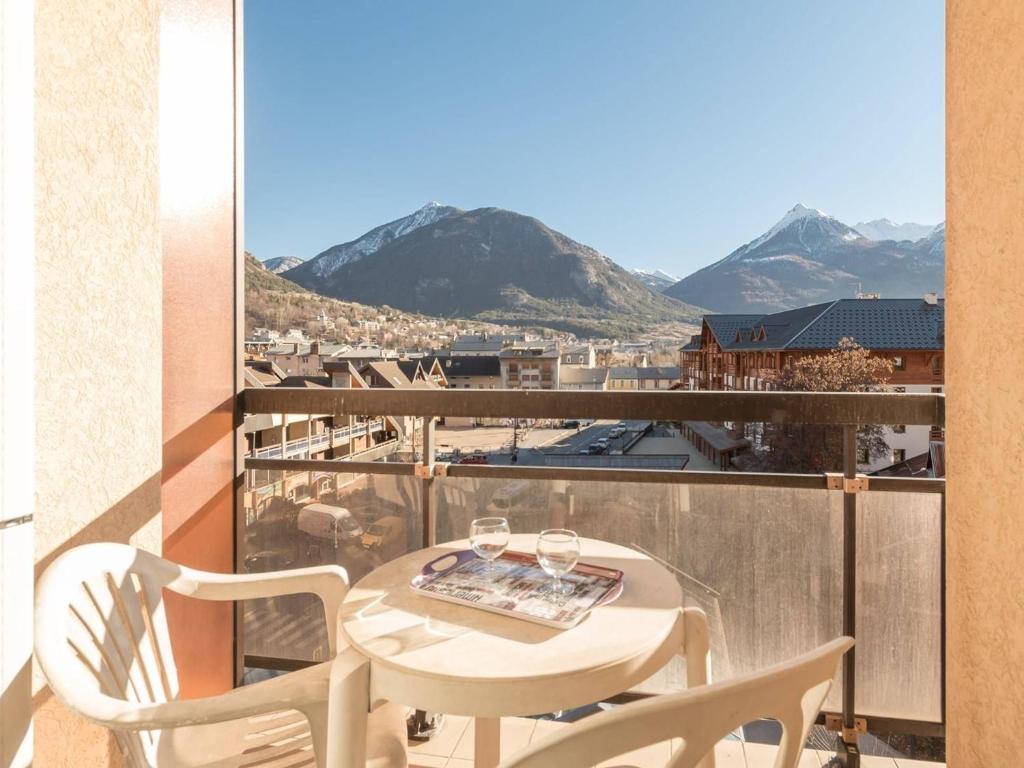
486, 742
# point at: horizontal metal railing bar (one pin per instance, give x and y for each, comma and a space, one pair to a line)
908, 484
616, 475
334, 465
779, 407
599, 474
875, 724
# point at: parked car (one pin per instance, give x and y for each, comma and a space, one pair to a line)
329, 523
383, 533
596, 448
571, 424
474, 459
269, 560
603, 442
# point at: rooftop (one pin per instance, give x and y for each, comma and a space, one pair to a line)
872, 323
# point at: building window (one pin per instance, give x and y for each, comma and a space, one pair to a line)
899, 363
899, 455
936, 365
936, 390
899, 429
863, 457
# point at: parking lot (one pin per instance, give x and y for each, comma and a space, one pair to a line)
574, 442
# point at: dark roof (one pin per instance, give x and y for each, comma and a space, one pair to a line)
620, 372
872, 323
409, 367
469, 365
877, 324
724, 327
478, 344
658, 372
529, 351
693, 345
571, 374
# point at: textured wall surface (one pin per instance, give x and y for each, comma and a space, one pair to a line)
985, 381
98, 297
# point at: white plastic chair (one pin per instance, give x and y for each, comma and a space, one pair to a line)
791, 692
102, 642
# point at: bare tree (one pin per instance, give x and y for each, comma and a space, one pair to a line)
818, 447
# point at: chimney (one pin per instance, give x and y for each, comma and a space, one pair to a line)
314, 348
931, 298
342, 379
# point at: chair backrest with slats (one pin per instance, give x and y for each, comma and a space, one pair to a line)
101, 632
791, 693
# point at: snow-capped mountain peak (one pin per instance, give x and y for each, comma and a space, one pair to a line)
887, 229
337, 256
801, 225
655, 279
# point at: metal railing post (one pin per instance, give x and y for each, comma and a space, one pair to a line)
849, 730
426, 472
421, 725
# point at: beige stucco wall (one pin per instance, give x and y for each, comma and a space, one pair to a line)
98, 299
985, 371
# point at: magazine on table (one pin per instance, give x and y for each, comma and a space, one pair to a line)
515, 585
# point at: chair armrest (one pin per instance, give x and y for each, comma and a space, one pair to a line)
328, 582
302, 690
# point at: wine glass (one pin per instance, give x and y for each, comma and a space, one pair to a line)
558, 550
488, 536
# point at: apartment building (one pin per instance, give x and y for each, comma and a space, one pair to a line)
746, 351
530, 366
579, 354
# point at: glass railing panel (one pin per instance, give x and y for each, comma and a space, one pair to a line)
298, 519
764, 563
899, 605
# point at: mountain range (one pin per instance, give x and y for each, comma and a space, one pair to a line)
809, 257
501, 266
280, 264
489, 264
884, 229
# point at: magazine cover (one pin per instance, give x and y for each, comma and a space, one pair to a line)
516, 585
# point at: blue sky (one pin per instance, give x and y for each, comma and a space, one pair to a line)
663, 133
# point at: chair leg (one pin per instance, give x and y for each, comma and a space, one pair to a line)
697, 653
348, 705
317, 714
696, 647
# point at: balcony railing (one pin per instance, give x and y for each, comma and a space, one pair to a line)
307, 446
780, 562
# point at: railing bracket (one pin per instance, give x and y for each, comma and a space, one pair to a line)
836, 481
441, 469
424, 471
849, 735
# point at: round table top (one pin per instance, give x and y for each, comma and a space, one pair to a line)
425, 646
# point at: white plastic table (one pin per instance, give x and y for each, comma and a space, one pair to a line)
443, 657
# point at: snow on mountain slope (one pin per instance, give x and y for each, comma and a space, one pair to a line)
808, 257
886, 229
329, 261
656, 280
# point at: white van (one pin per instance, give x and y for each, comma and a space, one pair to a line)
508, 497
334, 524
